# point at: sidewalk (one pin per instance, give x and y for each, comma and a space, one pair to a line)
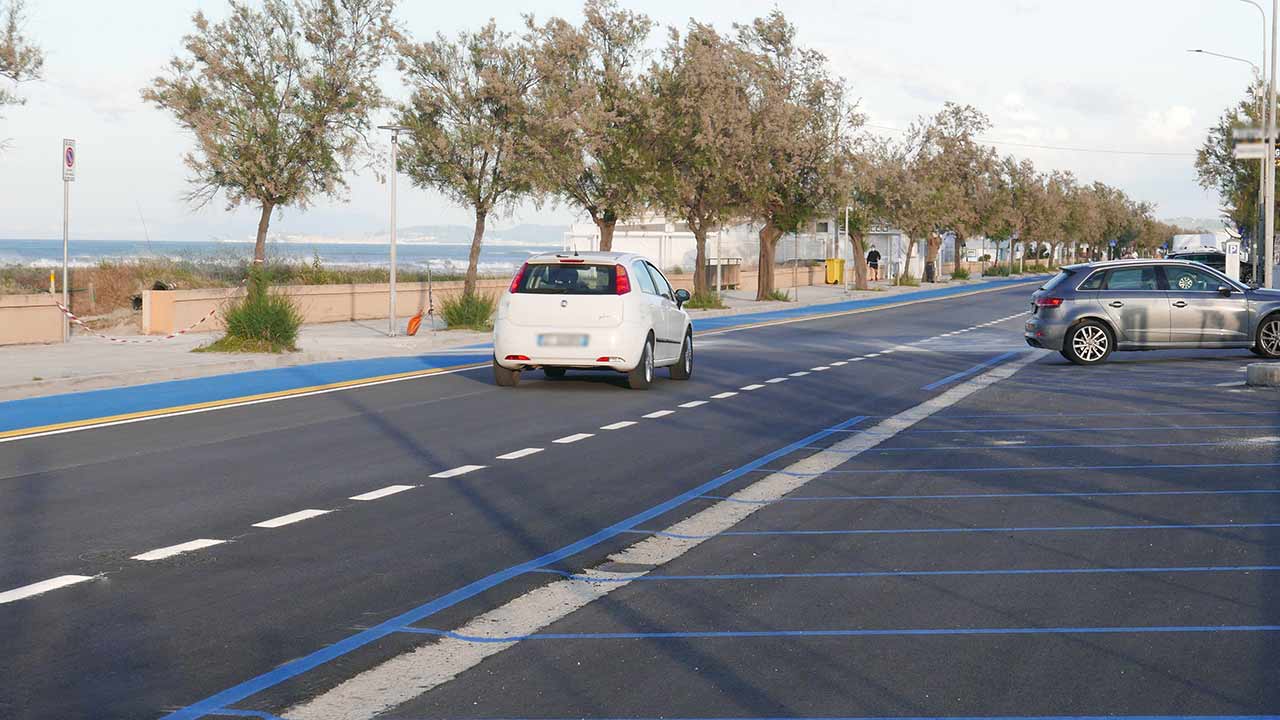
91, 379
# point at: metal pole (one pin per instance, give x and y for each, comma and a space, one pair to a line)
66, 292
719, 258
853, 251
1270, 218
395, 170
795, 265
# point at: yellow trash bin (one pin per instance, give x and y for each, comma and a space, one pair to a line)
835, 271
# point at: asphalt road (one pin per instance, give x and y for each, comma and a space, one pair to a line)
147, 637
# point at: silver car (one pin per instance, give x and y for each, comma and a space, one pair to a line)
1087, 311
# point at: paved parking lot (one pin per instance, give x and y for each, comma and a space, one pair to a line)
1104, 543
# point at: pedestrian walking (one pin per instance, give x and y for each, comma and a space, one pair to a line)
873, 262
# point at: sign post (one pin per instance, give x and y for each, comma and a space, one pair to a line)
68, 176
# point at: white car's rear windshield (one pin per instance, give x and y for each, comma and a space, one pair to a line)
568, 279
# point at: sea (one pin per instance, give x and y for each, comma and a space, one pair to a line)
495, 257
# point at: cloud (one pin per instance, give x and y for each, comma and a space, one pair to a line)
1169, 125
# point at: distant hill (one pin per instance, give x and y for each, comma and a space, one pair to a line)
523, 234
1196, 224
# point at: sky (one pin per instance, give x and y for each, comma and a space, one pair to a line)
1095, 74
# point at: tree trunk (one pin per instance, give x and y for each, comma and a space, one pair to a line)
473, 260
700, 262
769, 235
906, 264
959, 247
260, 246
860, 270
606, 223
933, 246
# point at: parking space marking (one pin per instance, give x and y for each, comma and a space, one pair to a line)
170, 551
723, 395
1021, 445
658, 414
853, 574
516, 455
618, 425
960, 530
460, 470
1004, 495
972, 371
572, 438
751, 387
291, 518
382, 492
1055, 468
1091, 429
41, 587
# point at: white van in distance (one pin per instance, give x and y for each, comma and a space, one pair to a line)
592, 311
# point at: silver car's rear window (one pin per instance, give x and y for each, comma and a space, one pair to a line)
1057, 280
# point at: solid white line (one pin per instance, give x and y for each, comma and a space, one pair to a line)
455, 472
751, 387
572, 438
291, 518
693, 404
43, 586
520, 453
164, 552
801, 373
723, 395
377, 494
618, 425
820, 368
420, 670
776, 380
658, 414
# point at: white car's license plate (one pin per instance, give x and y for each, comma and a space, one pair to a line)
563, 340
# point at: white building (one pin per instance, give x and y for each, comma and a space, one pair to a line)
670, 244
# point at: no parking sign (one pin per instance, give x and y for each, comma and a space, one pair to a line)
68, 160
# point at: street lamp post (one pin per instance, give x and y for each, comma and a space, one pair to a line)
395, 170
1270, 207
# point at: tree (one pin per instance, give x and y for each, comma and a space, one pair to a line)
699, 142
798, 118
278, 100
873, 197
20, 59
469, 123
1237, 181
589, 99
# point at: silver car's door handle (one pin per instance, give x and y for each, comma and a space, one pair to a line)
1117, 303
1180, 303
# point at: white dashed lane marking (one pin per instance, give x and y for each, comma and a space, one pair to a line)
618, 425
572, 438
839, 363
165, 552
820, 368
751, 387
43, 586
800, 373
693, 404
462, 470
723, 395
658, 414
520, 453
775, 380
291, 518
382, 492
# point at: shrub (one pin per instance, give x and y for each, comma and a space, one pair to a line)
261, 321
908, 279
705, 301
960, 274
999, 271
778, 295
468, 312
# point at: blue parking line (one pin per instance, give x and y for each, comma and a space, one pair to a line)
1025, 468
861, 632
972, 371
1241, 443
213, 704
945, 717
918, 573
962, 530
999, 416
985, 496
1090, 428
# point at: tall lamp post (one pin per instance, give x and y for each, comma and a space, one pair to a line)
1256, 251
395, 170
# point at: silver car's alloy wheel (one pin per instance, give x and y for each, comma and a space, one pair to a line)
1269, 337
1090, 343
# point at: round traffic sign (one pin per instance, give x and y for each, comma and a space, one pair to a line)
70, 158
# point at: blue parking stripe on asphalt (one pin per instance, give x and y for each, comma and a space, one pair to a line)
962, 530
972, 371
1026, 468
918, 573
1092, 428
984, 496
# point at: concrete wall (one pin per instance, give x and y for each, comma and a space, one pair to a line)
29, 319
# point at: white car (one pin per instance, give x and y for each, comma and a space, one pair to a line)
592, 311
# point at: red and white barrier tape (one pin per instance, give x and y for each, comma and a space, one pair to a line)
134, 341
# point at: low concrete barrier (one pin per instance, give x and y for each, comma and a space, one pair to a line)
1263, 374
29, 319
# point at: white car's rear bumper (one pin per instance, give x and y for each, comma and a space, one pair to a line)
622, 345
